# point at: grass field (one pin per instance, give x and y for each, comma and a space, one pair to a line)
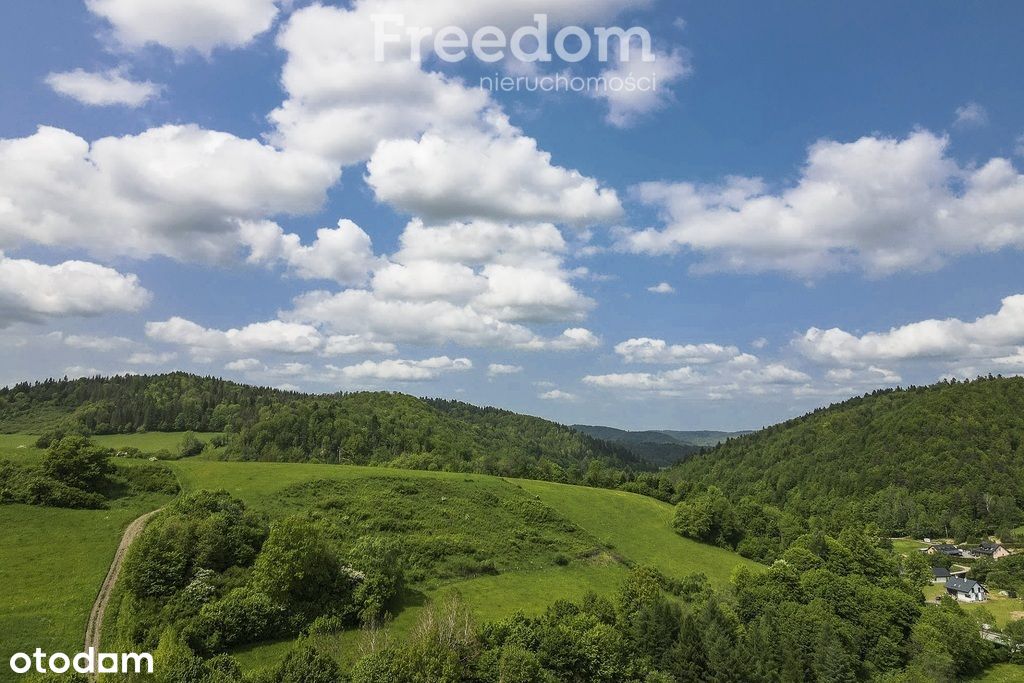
1002, 673
632, 528
903, 546
52, 561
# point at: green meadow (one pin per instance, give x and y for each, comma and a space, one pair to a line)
504, 545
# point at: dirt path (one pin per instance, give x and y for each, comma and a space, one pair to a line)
94, 629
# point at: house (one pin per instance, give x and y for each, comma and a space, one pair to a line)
966, 590
989, 549
940, 575
945, 549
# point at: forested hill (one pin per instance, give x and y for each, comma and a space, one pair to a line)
940, 460
361, 428
661, 447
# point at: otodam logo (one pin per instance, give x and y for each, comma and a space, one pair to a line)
88, 662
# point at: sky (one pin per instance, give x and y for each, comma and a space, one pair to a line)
817, 200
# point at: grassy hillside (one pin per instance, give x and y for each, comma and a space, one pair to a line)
52, 562
945, 460
504, 545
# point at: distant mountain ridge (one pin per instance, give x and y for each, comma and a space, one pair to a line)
659, 446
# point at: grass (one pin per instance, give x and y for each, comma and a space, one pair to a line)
617, 528
639, 528
902, 546
151, 442
463, 528
1002, 673
52, 562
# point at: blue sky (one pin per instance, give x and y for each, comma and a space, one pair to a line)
831, 191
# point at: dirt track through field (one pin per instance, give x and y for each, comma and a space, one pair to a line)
94, 629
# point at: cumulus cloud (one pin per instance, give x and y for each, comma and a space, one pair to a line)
178, 191
352, 344
185, 25
244, 365
495, 369
343, 254
30, 291
573, 339
557, 395
646, 350
662, 288
91, 343
104, 88
499, 175
880, 205
342, 100
989, 336
274, 336
401, 370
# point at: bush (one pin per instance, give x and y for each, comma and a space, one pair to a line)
151, 479
75, 461
244, 616
191, 445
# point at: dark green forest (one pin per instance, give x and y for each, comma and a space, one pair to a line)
378, 428
944, 460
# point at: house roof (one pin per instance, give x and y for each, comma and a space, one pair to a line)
962, 585
939, 572
947, 549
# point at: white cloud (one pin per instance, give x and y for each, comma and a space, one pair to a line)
871, 375
429, 280
989, 336
499, 175
150, 358
80, 371
343, 254
759, 343
244, 365
627, 105
495, 369
31, 291
557, 395
971, 115
573, 339
184, 25
646, 350
273, 336
103, 344
402, 370
662, 288
1019, 146
480, 242
178, 191
101, 89
351, 344
880, 205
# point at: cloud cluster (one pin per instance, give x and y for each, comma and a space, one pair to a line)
178, 191
879, 205
705, 370
988, 337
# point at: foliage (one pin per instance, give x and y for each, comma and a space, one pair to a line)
943, 460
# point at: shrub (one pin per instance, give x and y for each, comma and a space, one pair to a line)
191, 445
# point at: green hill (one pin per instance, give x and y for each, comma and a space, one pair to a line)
505, 545
661, 447
366, 428
944, 460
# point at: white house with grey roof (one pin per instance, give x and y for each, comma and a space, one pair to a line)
966, 590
